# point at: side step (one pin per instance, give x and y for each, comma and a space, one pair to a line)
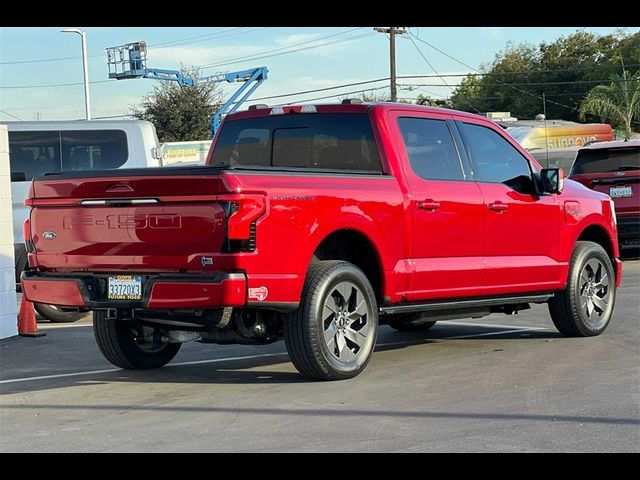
456, 304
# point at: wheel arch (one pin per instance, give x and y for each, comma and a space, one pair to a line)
354, 246
599, 234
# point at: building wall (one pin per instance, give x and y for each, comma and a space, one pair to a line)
8, 309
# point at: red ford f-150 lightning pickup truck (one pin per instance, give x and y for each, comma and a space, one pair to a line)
317, 223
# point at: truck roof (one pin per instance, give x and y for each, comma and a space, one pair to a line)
262, 111
612, 144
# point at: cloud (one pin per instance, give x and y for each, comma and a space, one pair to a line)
172, 57
494, 32
290, 40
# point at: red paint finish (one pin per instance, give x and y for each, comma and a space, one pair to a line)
55, 292
431, 239
228, 292
572, 212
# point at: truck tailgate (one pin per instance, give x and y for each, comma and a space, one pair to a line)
159, 221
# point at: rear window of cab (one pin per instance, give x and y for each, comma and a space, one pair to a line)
324, 141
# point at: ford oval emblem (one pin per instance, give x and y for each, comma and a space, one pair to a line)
49, 235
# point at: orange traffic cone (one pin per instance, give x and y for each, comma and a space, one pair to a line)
27, 325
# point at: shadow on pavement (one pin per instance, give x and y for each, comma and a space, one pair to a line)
329, 412
251, 371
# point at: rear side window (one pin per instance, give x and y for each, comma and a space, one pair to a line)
430, 148
602, 160
32, 154
93, 149
315, 141
494, 159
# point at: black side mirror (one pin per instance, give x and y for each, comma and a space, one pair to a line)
552, 180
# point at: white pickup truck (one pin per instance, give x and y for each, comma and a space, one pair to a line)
36, 148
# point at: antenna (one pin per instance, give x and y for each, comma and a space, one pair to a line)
546, 133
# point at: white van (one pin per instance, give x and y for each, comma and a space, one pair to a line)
36, 148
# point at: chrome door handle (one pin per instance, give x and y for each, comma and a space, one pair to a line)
429, 205
498, 206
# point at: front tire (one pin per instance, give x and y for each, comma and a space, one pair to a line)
120, 342
585, 306
333, 333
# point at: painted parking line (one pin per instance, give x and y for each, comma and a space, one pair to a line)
509, 329
49, 326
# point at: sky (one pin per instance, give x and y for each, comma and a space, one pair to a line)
298, 59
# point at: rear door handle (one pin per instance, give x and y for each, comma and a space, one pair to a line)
498, 206
429, 204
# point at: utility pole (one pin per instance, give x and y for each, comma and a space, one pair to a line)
392, 31
85, 69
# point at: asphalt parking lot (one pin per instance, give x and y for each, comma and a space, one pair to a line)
506, 383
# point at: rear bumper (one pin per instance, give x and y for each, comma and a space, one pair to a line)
159, 291
629, 231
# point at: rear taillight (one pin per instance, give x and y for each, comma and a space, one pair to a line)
29, 200
26, 233
242, 212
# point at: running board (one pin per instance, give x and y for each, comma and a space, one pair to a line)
481, 302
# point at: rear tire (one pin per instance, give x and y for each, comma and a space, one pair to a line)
332, 335
117, 342
51, 313
585, 306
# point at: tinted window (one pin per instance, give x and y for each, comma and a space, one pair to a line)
93, 149
494, 159
604, 160
32, 154
430, 148
325, 141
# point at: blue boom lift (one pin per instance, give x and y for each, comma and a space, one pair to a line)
130, 61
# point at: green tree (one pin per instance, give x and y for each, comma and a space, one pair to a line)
617, 103
518, 76
180, 113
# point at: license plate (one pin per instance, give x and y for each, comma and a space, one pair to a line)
620, 192
125, 287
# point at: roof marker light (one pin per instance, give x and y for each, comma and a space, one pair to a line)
277, 111
308, 109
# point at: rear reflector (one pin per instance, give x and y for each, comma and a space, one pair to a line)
26, 233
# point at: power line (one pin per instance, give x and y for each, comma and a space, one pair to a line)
508, 84
182, 41
228, 62
9, 114
211, 65
324, 89
436, 72
338, 95
55, 85
266, 54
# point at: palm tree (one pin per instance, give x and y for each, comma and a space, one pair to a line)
617, 103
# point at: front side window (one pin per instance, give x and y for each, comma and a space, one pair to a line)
495, 160
430, 148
